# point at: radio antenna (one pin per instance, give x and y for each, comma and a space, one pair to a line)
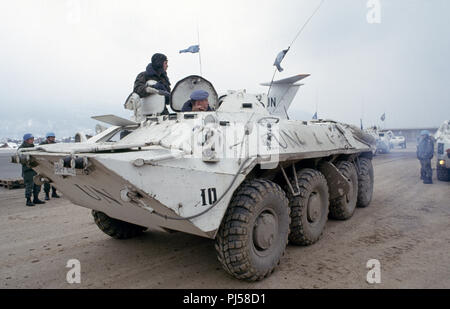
282, 54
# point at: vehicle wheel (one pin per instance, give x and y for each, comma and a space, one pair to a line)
365, 182
254, 232
443, 174
309, 211
343, 207
116, 228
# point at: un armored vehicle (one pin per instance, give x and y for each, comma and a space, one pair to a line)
242, 174
443, 151
399, 141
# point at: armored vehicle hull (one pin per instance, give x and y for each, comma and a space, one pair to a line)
250, 179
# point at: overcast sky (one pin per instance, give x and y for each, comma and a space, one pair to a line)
63, 61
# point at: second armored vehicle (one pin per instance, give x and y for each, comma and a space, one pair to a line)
443, 151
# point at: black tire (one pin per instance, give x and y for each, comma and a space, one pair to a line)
365, 182
343, 207
443, 174
116, 228
246, 252
309, 211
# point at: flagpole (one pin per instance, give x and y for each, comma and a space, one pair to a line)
200, 51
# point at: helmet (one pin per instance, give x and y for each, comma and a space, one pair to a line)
27, 136
425, 132
158, 61
50, 134
199, 95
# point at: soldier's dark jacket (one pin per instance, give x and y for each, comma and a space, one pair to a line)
26, 169
159, 76
425, 148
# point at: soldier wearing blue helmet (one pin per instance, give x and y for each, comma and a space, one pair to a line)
198, 102
425, 152
50, 139
28, 174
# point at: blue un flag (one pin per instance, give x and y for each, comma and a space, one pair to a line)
280, 58
192, 49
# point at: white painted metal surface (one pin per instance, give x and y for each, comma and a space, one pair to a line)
181, 168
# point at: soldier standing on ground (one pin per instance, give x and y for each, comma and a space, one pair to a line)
50, 139
425, 152
28, 174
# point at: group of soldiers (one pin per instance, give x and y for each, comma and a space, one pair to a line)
32, 189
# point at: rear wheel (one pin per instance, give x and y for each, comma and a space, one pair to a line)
343, 207
116, 228
365, 182
309, 210
254, 233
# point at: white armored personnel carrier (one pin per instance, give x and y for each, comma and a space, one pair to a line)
242, 174
443, 151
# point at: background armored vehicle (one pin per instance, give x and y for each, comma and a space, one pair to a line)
381, 140
398, 141
242, 174
442, 137
384, 142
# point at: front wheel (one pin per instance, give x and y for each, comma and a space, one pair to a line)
116, 228
443, 174
254, 233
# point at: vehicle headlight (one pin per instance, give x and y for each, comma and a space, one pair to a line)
441, 162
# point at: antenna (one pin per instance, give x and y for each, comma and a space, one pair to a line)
200, 50
296, 37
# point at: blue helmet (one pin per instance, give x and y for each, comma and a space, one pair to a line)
27, 136
425, 132
199, 95
50, 134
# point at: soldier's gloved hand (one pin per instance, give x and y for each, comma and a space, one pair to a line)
164, 93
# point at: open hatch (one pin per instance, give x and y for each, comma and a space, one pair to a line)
182, 91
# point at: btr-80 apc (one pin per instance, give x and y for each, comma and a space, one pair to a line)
242, 174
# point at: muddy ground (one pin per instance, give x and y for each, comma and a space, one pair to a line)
407, 228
